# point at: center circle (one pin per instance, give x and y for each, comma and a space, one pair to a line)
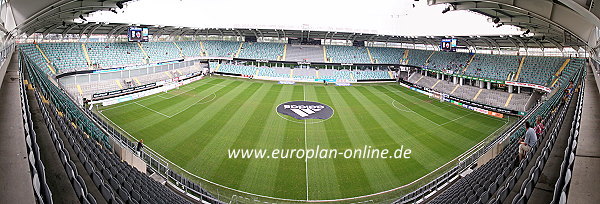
305, 110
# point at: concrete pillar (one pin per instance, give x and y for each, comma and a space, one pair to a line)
510, 88
489, 85
481, 84
454, 80
425, 73
518, 89
462, 81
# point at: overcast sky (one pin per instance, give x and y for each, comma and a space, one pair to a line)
389, 17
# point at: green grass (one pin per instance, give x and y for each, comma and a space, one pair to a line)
195, 125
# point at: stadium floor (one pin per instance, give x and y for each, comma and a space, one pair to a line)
196, 125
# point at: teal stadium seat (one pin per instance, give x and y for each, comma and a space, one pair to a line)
386, 55
260, 50
347, 54
221, 48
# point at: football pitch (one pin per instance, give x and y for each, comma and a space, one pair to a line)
197, 126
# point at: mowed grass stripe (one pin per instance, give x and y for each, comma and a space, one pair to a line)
351, 179
402, 129
322, 175
261, 174
249, 134
392, 136
360, 124
185, 139
133, 117
291, 173
471, 133
177, 130
223, 130
436, 136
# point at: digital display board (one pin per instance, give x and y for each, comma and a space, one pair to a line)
448, 45
137, 34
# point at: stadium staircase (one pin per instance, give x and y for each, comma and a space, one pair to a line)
325, 54
404, 58
370, 56
179, 48
237, 54
558, 72
285, 46
144, 52
428, 58
516, 77
203, 52
468, 63
48, 63
508, 100
87, 55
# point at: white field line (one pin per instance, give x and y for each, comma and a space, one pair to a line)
152, 110
305, 148
456, 119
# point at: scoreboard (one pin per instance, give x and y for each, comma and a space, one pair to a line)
137, 34
448, 45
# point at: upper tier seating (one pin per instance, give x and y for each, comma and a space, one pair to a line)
386, 55
300, 53
190, 48
109, 55
538, 70
258, 50
347, 54
161, 51
36, 57
498, 67
418, 57
221, 48
448, 61
65, 57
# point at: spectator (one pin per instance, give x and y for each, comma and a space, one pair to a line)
539, 126
528, 142
139, 146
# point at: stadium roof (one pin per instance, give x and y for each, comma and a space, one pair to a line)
554, 24
493, 42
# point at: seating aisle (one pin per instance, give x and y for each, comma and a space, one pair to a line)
16, 184
585, 182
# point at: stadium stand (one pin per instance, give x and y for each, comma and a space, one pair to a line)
347, 54
538, 70
493, 181
238, 69
259, 50
190, 48
36, 56
498, 67
65, 57
117, 181
221, 48
490, 97
451, 62
386, 55
418, 57
305, 53
161, 51
304, 73
108, 55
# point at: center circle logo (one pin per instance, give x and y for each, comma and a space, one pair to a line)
303, 110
